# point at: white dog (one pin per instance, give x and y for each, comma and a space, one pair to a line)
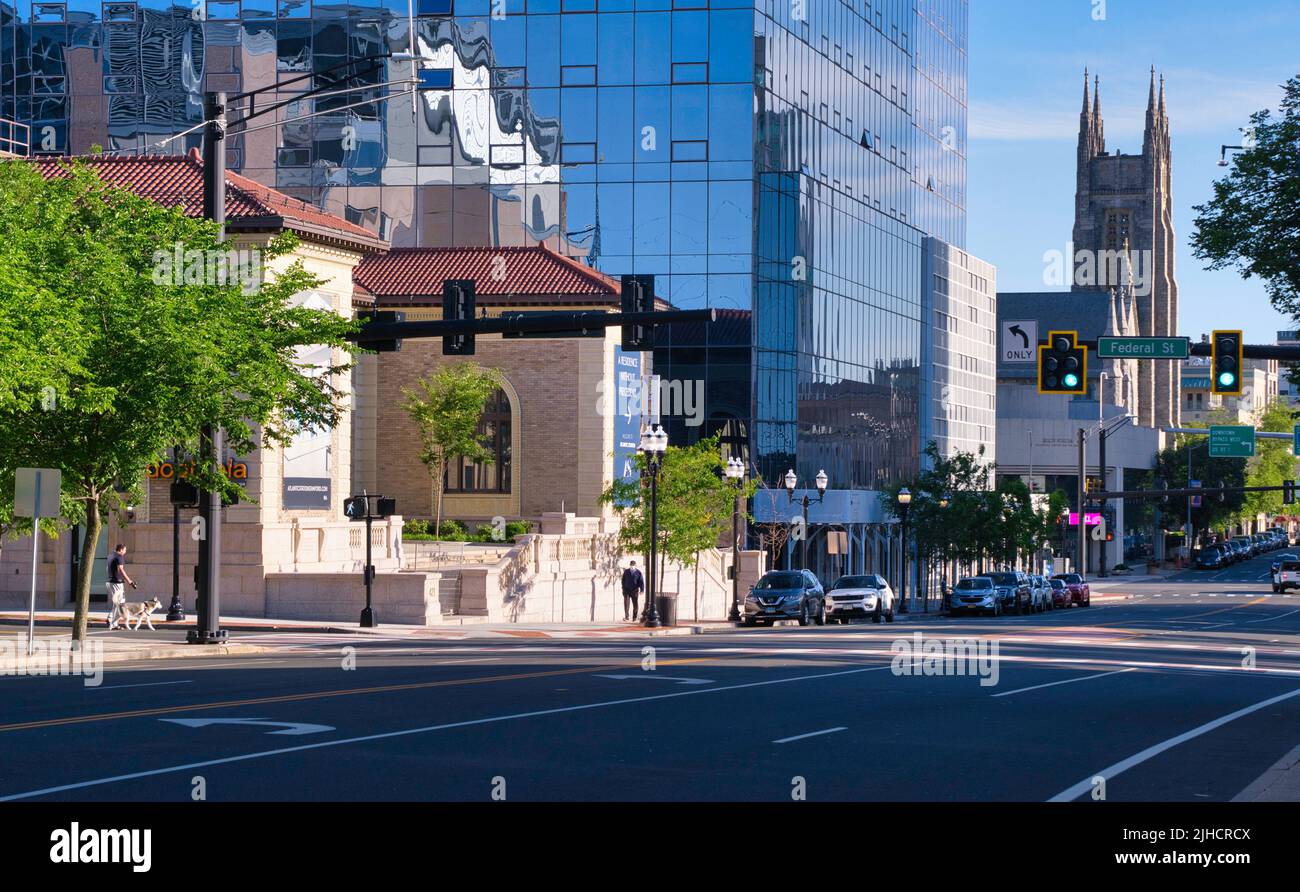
139, 611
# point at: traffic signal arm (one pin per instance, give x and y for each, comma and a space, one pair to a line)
551, 322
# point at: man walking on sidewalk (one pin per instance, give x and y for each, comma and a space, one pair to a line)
118, 578
633, 584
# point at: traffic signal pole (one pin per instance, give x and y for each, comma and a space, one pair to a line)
1082, 553
207, 628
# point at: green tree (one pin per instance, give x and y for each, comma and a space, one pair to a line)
1253, 220
695, 503
1272, 462
447, 407
148, 360
1171, 471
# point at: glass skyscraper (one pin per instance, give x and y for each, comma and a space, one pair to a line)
781, 160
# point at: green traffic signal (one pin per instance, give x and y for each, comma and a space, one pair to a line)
1071, 380
1227, 379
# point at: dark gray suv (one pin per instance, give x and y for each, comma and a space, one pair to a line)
1015, 594
786, 594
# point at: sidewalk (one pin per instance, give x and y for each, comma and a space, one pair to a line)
1281, 783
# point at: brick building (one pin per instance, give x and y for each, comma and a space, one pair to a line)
553, 427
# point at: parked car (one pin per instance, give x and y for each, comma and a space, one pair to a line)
1014, 590
1286, 573
1210, 558
1080, 593
1277, 561
1287, 576
860, 597
786, 594
1060, 592
1247, 544
974, 594
1042, 593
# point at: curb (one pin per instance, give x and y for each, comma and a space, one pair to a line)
49, 621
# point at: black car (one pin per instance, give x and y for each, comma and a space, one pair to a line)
1014, 591
1209, 558
786, 594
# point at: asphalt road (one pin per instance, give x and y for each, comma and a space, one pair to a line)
1187, 691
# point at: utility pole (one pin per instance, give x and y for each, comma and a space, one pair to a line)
1105, 485
208, 613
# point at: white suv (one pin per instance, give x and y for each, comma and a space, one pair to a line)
1041, 600
860, 596
1286, 573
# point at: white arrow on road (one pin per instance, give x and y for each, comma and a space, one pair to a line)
290, 728
675, 678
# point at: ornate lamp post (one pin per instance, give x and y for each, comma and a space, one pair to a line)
654, 443
792, 481
736, 474
904, 501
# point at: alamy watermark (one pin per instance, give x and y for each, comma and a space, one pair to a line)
1099, 269
212, 266
635, 397
921, 656
55, 656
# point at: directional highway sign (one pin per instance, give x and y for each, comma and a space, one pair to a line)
1232, 441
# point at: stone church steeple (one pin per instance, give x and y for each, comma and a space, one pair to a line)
1124, 208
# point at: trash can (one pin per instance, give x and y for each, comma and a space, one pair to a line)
667, 607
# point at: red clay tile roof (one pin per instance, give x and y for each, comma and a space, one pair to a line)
177, 181
511, 275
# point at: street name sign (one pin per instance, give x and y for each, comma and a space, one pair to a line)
1232, 441
1142, 348
1295, 441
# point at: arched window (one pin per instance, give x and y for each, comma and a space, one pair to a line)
494, 433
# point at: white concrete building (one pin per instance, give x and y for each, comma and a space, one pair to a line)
959, 351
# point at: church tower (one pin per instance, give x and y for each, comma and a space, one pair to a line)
1123, 199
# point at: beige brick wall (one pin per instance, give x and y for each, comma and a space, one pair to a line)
562, 441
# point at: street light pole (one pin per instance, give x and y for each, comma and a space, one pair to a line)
736, 474
1081, 554
654, 443
792, 481
904, 501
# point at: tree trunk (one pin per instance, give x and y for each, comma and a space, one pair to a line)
85, 570
439, 481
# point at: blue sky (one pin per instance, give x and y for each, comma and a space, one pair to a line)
1221, 61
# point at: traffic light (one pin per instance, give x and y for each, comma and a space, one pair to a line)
1225, 363
638, 296
1062, 364
457, 305
1288, 492
381, 317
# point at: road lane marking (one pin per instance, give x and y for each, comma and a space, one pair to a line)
315, 695
290, 728
388, 735
677, 678
810, 734
1270, 619
1052, 684
1086, 785
143, 684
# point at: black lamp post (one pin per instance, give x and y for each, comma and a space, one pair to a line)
654, 443
792, 481
736, 474
944, 501
904, 501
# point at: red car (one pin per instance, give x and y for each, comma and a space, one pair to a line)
1060, 594
1080, 594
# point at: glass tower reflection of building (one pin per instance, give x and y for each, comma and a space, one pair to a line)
781, 161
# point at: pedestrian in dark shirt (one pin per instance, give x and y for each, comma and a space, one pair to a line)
118, 579
633, 585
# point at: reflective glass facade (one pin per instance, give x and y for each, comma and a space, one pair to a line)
779, 160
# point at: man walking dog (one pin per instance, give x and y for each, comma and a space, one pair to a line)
118, 579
